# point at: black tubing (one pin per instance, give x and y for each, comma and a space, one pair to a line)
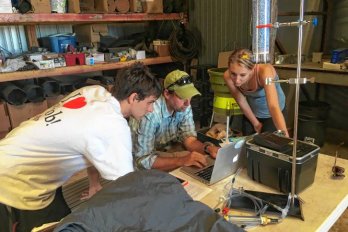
12, 94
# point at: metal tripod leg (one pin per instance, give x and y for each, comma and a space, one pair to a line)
212, 119
227, 128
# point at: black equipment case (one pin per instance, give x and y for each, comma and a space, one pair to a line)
274, 168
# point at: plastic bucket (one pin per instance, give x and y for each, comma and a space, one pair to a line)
312, 120
314, 109
224, 103
217, 81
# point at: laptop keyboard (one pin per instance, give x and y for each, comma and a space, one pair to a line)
206, 173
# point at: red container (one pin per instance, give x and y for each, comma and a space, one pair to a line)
72, 59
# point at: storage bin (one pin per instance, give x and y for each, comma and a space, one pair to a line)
58, 43
274, 169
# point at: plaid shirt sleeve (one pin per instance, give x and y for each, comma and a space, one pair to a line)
187, 125
144, 143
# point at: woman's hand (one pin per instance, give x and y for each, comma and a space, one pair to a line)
258, 127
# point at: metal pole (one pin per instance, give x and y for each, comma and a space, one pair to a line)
297, 94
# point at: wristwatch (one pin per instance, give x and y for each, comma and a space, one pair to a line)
205, 149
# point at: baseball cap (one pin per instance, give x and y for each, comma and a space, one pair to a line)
180, 82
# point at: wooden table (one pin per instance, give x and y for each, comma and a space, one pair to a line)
324, 201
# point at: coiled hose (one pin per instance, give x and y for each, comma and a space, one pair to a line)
183, 45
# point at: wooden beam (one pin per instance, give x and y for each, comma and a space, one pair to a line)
298, 14
30, 32
70, 18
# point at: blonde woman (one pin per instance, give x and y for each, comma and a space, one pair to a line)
263, 105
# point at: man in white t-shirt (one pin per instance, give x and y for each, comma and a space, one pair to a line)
87, 128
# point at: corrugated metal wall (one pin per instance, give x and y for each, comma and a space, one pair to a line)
12, 39
339, 25
222, 25
337, 96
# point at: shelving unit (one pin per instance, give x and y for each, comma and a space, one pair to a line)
78, 69
30, 20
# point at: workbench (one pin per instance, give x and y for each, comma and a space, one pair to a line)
323, 202
308, 70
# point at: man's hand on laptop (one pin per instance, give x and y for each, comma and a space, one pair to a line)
194, 159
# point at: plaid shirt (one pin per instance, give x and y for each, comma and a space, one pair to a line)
157, 130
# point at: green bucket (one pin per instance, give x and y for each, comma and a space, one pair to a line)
224, 103
217, 82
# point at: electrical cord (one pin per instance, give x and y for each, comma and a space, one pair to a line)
260, 207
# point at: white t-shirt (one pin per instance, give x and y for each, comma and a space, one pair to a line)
85, 128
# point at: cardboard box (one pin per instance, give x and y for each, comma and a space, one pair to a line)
153, 6
5, 125
34, 57
86, 6
51, 101
24, 112
101, 6
94, 6
45, 64
90, 33
161, 47
49, 56
41, 6
136, 6
317, 57
140, 55
223, 59
328, 65
74, 6
3, 134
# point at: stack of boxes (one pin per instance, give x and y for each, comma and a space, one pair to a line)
41, 6
90, 34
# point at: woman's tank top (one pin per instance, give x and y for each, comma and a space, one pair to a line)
257, 98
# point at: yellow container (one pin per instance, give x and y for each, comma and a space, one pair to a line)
226, 105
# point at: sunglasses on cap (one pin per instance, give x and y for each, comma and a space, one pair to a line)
182, 81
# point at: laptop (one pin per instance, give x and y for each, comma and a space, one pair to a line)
225, 164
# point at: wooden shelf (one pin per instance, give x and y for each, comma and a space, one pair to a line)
69, 18
21, 75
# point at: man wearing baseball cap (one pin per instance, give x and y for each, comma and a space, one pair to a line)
171, 123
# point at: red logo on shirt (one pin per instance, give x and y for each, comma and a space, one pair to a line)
75, 103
